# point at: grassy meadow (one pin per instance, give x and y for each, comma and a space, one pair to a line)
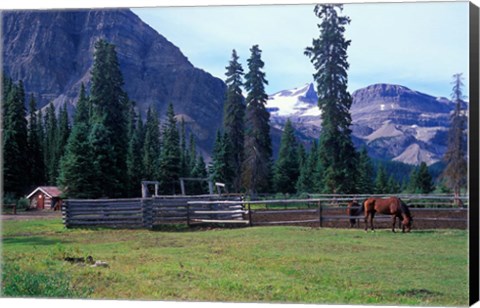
259, 264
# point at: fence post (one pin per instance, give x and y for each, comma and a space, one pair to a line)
64, 213
320, 210
188, 214
147, 210
250, 216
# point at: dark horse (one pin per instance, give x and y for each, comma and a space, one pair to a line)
390, 206
354, 209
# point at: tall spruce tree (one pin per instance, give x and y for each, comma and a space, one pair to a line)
170, 155
257, 163
184, 154
234, 118
412, 183
308, 177
51, 145
329, 57
192, 151
199, 171
63, 131
151, 146
35, 150
134, 154
77, 173
455, 173
365, 175
220, 169
393, 187
381, 181
109, 121
286, 168
15, 134
424, 181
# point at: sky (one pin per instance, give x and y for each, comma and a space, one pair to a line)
418, 45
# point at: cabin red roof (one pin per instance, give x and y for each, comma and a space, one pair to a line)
51, 191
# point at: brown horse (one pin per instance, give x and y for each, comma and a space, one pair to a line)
390, 206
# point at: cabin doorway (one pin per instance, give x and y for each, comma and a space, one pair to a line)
40, 202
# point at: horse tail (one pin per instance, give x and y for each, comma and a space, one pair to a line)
361, 210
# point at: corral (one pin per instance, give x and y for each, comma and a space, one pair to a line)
429, 211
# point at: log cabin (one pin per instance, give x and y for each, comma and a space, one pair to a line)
45, 197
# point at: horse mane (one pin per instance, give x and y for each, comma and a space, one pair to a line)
404, 208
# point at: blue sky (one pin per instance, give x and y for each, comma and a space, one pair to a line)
418, 45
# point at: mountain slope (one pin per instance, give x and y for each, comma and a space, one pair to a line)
52, 52
395, 122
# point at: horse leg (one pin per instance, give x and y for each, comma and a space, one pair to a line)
371, 221
394, 218
366, 221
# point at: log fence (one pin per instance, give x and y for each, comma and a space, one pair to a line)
150, 212
217, 209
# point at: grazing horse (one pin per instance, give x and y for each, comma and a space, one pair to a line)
389, 206
354, 209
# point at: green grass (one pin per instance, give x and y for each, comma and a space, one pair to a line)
259, 264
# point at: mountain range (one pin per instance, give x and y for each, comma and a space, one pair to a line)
393, 121
52, 52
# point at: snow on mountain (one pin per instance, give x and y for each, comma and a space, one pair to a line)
301, 101
395, 122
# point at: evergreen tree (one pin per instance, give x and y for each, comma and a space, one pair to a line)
233, 120
455, 173
381, 181
15, 134
199, 171
307, 177
170, 155
151, 146
256, 168
41, 138
286, 168
329, 56
35, 151
302, 156
51, 145
392, 186
220, 169
192, 157
424, 180
63, 131
109, 121
77, 173
184, 154
413, 182
134, 154
365, 173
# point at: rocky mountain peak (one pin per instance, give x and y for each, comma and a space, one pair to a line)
52, 52
395, 122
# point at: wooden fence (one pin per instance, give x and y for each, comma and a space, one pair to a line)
216, 209
332, 208
150, 212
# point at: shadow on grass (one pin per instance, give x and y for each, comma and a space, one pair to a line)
191, 228
31, 240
